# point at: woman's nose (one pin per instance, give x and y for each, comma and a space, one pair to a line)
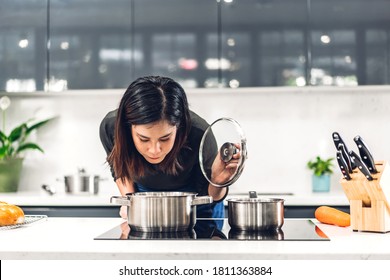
155, 148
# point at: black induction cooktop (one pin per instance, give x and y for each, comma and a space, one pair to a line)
219, 229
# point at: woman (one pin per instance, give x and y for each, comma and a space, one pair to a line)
152, 144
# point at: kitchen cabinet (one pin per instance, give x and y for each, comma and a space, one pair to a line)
200, 43
293, 211
307, 211
64, 205
72, 211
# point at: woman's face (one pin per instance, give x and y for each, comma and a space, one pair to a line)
154, 141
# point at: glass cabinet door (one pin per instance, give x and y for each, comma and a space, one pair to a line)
22, 45
377, 56
176, 39
90, 44
350, 42
263, 42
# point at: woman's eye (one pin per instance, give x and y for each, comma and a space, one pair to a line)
144, 140
164, 139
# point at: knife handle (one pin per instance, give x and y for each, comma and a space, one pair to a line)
360, 164
343, 165
365, 154
337, 140
345, 157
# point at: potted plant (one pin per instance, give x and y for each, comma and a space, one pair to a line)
322, 169
12, 148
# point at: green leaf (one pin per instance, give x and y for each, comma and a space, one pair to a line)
37, 125
3, 137
17, 132
27, 146
3, 150
15, 142
11, 150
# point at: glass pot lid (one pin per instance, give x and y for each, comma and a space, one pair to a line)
223, 152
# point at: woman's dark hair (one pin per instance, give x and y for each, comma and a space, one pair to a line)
148, 100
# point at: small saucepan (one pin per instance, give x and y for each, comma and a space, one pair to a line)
82, 183
255, 214
161, 211
88, 184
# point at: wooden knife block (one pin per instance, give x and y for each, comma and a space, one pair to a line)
369, 206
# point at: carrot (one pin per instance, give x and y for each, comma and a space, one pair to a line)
332, 216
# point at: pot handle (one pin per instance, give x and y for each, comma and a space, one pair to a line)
121, 200
202, 200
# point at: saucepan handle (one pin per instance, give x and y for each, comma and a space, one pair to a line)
121, 200
202, 200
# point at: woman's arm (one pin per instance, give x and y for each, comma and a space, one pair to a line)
221, 173
217, 193
124, 188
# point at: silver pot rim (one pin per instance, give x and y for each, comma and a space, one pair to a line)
255, 200
163, 194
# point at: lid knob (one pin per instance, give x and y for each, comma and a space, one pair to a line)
227, 151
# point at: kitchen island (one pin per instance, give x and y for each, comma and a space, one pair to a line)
73, 239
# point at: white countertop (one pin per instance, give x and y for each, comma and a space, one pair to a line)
73, 238
103, 199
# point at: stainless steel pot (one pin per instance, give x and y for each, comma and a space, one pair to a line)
255, 214
161, 211
82, 183
87, 184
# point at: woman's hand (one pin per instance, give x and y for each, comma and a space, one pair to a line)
124, 187
123, 212
222, 172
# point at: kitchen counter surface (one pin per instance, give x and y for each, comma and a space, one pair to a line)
103, 199
73, 238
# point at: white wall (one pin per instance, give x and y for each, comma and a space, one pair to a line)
285, 127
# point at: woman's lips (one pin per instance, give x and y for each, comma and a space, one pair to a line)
154, 158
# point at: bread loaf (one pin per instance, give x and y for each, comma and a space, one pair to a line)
10, 214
